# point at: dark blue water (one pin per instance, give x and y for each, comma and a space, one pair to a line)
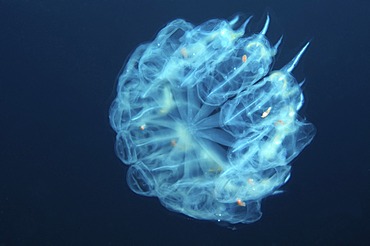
60, 181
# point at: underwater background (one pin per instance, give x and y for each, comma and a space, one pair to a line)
60, 180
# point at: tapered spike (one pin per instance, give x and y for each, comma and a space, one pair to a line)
234, 21
276, 46
244, 26
293, 63
266, 26
300, 103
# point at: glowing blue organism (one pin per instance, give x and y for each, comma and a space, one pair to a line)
204, 123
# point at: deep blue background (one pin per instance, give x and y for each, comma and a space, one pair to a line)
60, 181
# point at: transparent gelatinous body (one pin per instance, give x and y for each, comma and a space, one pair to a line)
204, 123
